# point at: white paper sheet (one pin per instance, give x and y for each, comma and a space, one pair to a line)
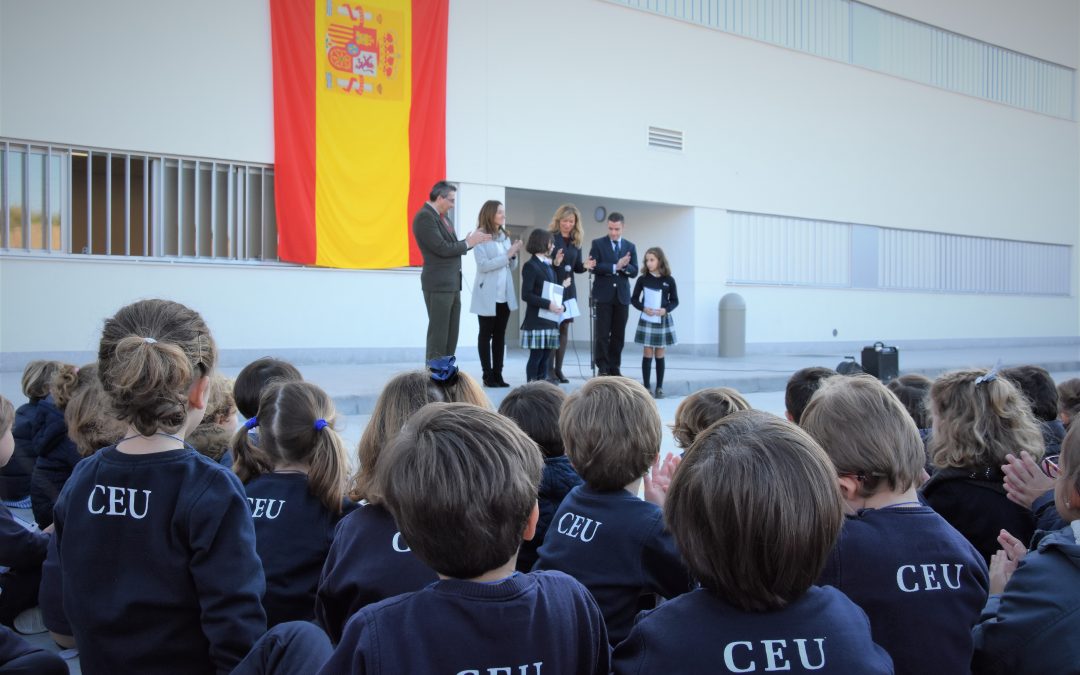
552, 293
651, 300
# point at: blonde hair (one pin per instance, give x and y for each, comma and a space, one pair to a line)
402, 396
220, 403
702, 408
151, 353
565, 211
611, 431
90, 424
36, 378
866, 432
64, 382
289, 432
977, 424
7, 415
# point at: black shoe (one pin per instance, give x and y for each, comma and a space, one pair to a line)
561, 378
659, 393
497, 380
490, 381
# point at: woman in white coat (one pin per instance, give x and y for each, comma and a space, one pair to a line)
493, 296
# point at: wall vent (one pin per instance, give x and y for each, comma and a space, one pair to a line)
669, 139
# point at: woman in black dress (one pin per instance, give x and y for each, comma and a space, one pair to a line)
566, 228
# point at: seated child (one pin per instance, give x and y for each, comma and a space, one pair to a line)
701, 409
213, 436
56, 453
1068, 400
603, 535
800, 387
535, 408
22, 550
461, 482
154, 541
247, 389
15, 477
978, 419
295, 484
1042, 395
90, 422
1028, 624
920, 582
369, 560
755, 510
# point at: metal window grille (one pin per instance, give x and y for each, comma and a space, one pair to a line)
866, 36
77, 200
776, 250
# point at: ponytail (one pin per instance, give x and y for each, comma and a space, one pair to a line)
249, 460
329, 468
150, 355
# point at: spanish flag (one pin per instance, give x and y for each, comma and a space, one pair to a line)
359, 127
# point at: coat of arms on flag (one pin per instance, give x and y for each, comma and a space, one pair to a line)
362, 54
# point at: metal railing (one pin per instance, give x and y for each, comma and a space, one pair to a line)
80, 200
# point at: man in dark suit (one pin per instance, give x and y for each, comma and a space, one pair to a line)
616, 263
441, 276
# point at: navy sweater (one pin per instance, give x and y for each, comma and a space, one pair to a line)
616, 545
293, 531
559, 478
157, 554
1031, 628
528, 624
56, 457
19, 547
920, 582
15, 475
368, 562
973, 501
820, 632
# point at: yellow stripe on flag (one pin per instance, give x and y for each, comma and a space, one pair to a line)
363, 94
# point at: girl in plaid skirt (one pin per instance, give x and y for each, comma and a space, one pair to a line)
659, 332
539, 335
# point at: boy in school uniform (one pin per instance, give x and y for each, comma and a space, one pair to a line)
603, 535
919, 580
461, 482
755, 511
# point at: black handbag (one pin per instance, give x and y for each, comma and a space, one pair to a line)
881, 361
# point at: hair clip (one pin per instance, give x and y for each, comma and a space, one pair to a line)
149, 340
320, 424
990, 376
251, 423
443, 370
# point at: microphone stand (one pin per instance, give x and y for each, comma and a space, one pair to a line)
592, 326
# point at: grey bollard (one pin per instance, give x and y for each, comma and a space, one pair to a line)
732, 325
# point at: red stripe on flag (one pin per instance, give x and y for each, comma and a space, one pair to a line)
292, 31
427, 118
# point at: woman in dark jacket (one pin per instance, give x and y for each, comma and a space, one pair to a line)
538, 334
566, 228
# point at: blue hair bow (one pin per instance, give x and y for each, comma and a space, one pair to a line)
251, 423
444, 369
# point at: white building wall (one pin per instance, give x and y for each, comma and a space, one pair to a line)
556, 97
